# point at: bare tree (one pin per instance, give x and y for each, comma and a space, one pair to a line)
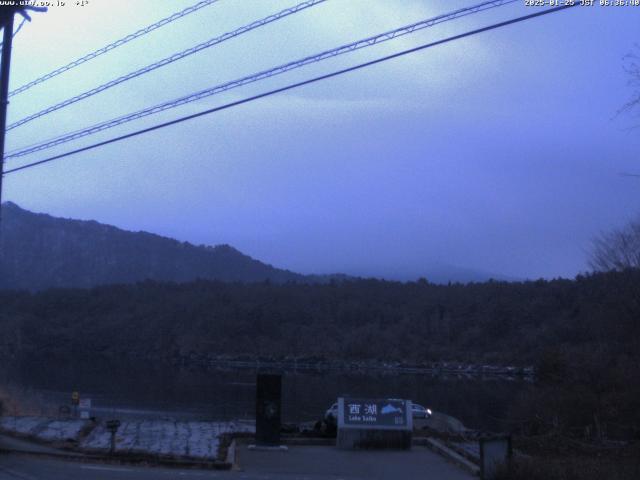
631, 66
618, 249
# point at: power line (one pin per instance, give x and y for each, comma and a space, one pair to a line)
366, 42
116, 44
170, 59
24, 20
296, 85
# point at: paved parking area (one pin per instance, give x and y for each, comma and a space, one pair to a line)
299, 463
320, 463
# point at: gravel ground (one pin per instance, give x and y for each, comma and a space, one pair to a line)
44, 428
186, 439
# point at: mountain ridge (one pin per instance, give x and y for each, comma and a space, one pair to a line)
50, 252
55, 252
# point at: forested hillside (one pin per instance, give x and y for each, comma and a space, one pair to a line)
364, 319
41, 251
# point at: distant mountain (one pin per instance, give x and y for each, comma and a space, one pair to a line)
434, 272
40, 251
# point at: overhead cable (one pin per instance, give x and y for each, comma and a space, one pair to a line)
116, 44
168, 60
350, 47
294, 85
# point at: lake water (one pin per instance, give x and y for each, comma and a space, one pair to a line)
41, 386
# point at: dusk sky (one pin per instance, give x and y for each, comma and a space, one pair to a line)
501, 152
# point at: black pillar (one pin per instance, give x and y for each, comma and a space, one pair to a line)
268, 409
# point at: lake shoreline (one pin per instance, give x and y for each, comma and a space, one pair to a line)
309, 364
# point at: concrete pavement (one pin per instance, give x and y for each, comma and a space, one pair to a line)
320, 463
18, 467
8, 442
299, 463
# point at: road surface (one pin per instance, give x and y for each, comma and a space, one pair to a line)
299, 463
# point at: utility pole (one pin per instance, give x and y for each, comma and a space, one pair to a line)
7, 14
5, 65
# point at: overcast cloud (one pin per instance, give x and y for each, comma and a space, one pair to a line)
501, 152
